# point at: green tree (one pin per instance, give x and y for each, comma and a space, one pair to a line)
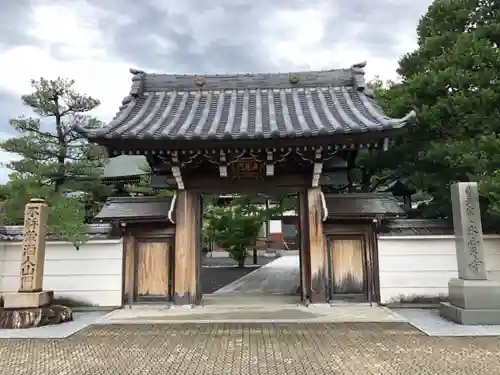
370, 168
233, 231
236, 225
66, 213
16, 193
56, 163
256, 205
451, 80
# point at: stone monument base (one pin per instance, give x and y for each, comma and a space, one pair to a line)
26, 300
32, 309
35, 317
472, 302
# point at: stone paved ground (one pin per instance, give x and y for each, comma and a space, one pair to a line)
281, 276
219, 272
212, 279
341, 348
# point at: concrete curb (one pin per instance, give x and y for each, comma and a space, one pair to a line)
244, 321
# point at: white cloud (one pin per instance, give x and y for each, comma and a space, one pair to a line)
293, 39
105, 79
73, 45
82, 56
76, 29
85, 60
296, 40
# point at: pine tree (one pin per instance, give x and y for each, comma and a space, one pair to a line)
55, 162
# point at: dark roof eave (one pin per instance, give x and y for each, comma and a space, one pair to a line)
320, 140
132, 219
125, 178
127, 209
364, 215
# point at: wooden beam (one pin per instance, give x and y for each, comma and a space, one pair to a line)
317, 247
176, 171
223, 164
385, 146
318, 167
338, 140
187, 235
207, 184
269, 163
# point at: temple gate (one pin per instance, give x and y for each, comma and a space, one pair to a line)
282, 132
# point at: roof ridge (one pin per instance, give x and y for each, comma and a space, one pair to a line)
354, 195
357, 68
155, 82
138, 199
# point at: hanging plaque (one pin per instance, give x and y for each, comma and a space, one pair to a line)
247, 168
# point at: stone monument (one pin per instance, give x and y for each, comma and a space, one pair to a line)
473, 299
31, 306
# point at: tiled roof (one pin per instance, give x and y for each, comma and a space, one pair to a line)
279, 105
334, 178
94, 232
429, 227
125, 166
136, 208
362, 204
398, 188
417, 227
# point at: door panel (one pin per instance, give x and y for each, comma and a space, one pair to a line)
152, 277
347, 266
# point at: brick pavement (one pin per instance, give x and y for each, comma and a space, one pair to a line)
261, 349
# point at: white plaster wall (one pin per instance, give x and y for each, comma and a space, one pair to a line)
275, 226
411, 266
92, 274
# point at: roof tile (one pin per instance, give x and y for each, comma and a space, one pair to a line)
135, 208
362, 204
126, 166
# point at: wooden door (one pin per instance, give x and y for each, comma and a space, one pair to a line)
153, 270
347, 266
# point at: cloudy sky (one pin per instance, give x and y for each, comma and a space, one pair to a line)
95, 42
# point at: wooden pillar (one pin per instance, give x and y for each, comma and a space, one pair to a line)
305, 259
317, 247
187, 240
129, 254
199, 260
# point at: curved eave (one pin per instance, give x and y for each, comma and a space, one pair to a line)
388, 123
128, 104
121, 180
131, 209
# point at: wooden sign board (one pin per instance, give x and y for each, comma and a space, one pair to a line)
247, 168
